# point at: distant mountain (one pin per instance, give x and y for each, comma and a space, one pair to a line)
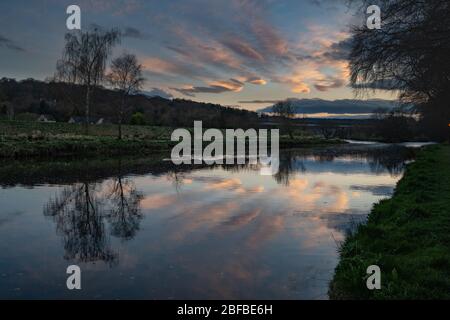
155, 92
337, 107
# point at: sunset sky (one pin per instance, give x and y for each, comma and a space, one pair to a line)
231, 52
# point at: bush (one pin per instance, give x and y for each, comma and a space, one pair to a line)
137, 119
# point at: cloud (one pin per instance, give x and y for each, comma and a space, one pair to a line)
239, 40
242, 48
164, 67
339, 50
10, 44
325, 85
196, 44
115, 7
259, 101
130, 32
256, 80
221, 86
231, 85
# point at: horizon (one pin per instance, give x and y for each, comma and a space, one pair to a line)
260, 52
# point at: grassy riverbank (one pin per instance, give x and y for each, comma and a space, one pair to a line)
49, 140
407, 236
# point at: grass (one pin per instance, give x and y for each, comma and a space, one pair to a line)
407, 236
29, 128
26, 139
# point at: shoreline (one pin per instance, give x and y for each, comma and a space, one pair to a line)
79, 149
407, 236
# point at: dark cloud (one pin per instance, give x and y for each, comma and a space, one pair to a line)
231, 85
242, 48
329, 84
339, 50
130, 32
10, 44
178, 50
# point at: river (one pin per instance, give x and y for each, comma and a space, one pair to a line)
144, 229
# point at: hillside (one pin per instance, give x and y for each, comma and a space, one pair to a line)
22, 99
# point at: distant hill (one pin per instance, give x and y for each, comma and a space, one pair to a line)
338, 108
63, 101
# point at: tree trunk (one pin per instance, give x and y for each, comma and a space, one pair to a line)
88, 102
11, 112
122, 106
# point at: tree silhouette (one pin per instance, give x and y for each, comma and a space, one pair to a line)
84, 212
84, 60
125, 213
409, 54
285, 110
77, 212
126, 77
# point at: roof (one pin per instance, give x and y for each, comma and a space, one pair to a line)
47, 116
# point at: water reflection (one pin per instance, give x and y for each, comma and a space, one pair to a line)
82, 210
79, 218
162, 232
125, 213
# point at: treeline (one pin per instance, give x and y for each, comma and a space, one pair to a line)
27, 98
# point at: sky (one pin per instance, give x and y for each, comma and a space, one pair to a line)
246, 53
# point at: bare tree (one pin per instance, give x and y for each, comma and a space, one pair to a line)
408, 55
285, 110
125, 76
84, 60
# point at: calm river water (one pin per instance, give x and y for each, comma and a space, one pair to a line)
144, 229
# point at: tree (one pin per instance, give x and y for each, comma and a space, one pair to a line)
285, 110
126, 77
84, 60
409, 55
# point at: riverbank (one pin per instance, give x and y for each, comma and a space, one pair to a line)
24, 140
407, 236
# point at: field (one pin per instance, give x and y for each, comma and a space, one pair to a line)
407, 236
21, 139
23, 129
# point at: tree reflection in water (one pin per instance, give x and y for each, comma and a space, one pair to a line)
82, 211
86, 214
125, 214
380, 159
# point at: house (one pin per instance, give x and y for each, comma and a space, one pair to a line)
46, 118
82, 120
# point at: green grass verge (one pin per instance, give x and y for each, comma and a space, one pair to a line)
25, 129
407, 236
79, 147
22, 139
